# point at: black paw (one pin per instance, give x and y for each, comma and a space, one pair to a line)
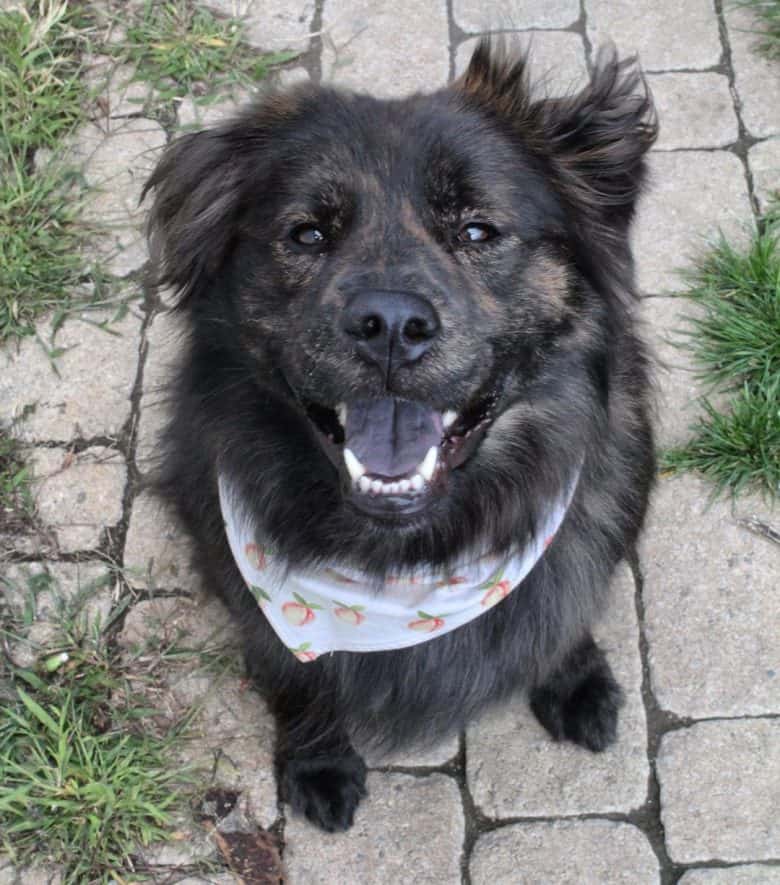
588, 715
327, 789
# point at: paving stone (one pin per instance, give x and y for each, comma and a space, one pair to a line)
194, 115
78, 495
764, 162
366, 46
692, 195
474, 16
720, 790
71, 399
694, 110
756, 77
407, 829
116, 163
710, 594
115, 91
653, 28
271, 25
158, 552
751, 874
437, 754
514, 768
557, 60
292, 76
80, 593
564, 853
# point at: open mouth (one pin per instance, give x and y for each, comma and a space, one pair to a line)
395, 454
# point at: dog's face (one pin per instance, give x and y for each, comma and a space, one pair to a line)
415, 282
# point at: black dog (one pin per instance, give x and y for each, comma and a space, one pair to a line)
410, 330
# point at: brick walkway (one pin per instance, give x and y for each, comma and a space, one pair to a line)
691, 791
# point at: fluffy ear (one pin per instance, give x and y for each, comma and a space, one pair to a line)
594, 141
196, 188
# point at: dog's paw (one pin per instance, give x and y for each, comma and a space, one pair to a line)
588, 715
327, 790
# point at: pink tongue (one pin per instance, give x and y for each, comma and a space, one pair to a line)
390, 436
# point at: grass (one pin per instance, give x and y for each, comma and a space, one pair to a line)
735, 341
15, 496
86, 771
183, 50
768, 12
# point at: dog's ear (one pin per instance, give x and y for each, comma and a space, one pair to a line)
196, 187
594, 141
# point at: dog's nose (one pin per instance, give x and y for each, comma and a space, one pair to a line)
390, 329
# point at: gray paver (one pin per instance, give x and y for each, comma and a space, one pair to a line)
515, 768
653, 28
557, 60
764, 162
750, 874
474, 16
710, 604
695, 110
366, 46
193, 115
692, 195
71, 399
407, 829
157, 552
78, 496
720, 790
588, 852
271, 25
757, 79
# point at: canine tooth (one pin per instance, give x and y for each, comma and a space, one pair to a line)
364, 483
416, 482
428, 464
376, 486
341, 411
448, 419
404, 485
355, 468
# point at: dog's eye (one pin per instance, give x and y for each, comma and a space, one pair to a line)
476, 232
307, 235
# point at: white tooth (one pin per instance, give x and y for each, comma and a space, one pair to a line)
341, 411
416, 482
404, 486
387, 488
448, 419
394, 488
376, 486
355, 468
364, 483
428, 464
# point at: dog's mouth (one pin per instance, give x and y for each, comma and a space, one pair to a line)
395, 455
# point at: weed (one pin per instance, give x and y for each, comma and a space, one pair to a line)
16, 503
768, 12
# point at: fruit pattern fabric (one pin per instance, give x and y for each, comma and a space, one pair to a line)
341, 609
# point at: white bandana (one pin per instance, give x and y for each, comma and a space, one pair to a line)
341, 609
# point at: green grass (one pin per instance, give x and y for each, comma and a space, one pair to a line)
183, 50
768, 12
15, 497
735, 341
86, 770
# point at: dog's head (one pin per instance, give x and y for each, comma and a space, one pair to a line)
416, 283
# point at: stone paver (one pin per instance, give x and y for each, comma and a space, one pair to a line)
557, 60
588, 852
711, 604
757, 79
720, 790
69, 397
655, 29
551, 778
764, 160
750, 874
695, 110
473, 16
408, 829
692, 195
366, 45
270, 25
79, 495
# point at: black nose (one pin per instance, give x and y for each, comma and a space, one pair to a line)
390, 329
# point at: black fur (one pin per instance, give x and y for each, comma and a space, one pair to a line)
545, 310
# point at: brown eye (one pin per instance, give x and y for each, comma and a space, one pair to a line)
307, 235
476, 232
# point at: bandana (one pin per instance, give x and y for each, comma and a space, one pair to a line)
341, 609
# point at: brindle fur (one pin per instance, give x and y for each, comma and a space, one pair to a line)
547, 308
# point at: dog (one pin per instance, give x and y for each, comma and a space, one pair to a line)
411, 434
